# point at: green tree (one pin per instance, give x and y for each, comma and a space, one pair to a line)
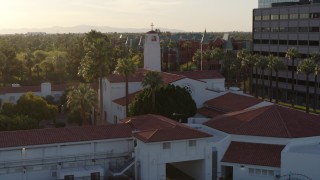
82, 99
97, 60
154, 81
35, 107
17, 122
242, 56
186, 46
270, 67
126, 68
292, 54
316, 59
277, 66
306, 67
216, 54
262, 64
29, 63
172, 101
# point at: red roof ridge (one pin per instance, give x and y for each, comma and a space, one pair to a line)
252, 118
282, 121
154, 131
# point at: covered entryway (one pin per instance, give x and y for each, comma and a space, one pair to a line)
227, 173
188, 170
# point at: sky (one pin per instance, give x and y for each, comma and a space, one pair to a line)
186, 15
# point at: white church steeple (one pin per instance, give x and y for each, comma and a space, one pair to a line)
152, 58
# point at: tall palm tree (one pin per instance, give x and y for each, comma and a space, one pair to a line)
187, 45
28, 60
153, 80
270, 67
316, 59
262, 64
292, 54
242, 56
126, 68
82, 99
277, 66
306, 67
256, 59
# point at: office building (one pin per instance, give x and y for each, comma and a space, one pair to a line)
287, 25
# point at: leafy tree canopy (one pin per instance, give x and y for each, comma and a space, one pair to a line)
172, 101
18, 122
35, 107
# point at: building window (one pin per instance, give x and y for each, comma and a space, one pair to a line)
313, 43
293, 29
283, 42
304, 16
261, 172
303, 42
274, 16
274, 29
166, 145
314, 15
257, 18
266, 17
256, 29
154, 38
314, 29
303, 29
192, 143
265, 29
293, 42
273, 41
284, 16
294, 16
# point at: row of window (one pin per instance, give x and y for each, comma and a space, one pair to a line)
278, 54
261, 172
286, 29
287, 16
167, 145
285, 80
286, 42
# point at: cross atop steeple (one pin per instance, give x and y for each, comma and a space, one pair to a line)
152, 26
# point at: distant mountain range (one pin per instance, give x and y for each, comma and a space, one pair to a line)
80, 29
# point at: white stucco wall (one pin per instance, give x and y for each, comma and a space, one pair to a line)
153, 158
302, 156
152, 57
41, 162
200, 94
241, 172
113, 91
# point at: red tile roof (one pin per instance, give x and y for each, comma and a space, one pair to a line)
137, 77
155, 128
25, 89
122, 101
268, 121
63, 135
140, 74
254, 154
232, 102
22, 89
199, 75
168, 77
211, 113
